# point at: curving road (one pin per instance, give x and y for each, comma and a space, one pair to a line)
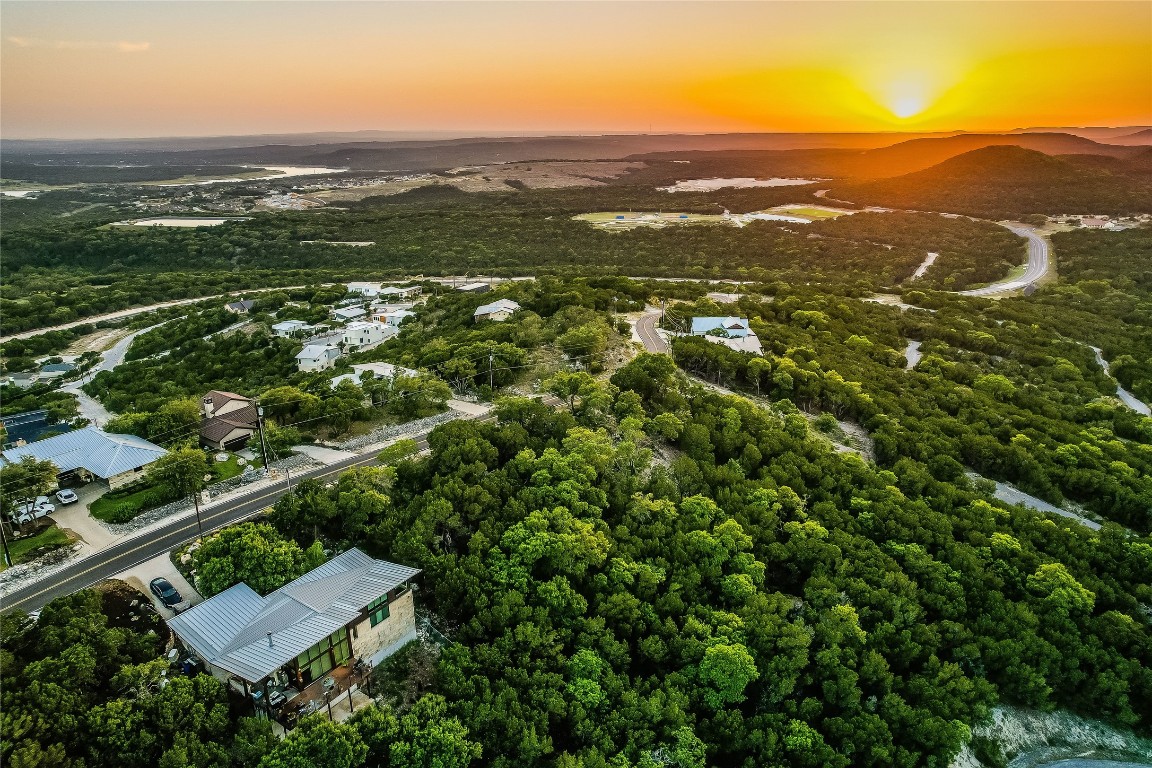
646, 330
1038, 262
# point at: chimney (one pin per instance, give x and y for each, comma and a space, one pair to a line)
269, 639
206, 406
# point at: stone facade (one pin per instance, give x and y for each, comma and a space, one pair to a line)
375, 643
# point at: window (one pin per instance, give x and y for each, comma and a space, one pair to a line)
378, 610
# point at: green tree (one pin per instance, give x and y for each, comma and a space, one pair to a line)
318, 743
726, 670
182, 469
252, 553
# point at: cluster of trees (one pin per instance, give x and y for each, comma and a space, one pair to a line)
666, 576
969, 251
999, 389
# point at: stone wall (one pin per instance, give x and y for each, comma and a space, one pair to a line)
377, 642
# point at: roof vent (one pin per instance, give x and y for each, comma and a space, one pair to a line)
269, 639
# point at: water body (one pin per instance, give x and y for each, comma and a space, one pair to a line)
920, 270
1125, 396
912, 355
710, 185
285, 171
1078, 763
18, 192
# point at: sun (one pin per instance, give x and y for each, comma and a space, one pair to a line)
907, 97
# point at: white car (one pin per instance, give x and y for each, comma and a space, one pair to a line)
67, 496
26, 513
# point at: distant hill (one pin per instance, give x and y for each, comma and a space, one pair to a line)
1139, 138
1007, 182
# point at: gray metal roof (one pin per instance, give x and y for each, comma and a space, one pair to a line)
99, 452
231, 630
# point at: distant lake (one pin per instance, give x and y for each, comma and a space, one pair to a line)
18, 192
709, 185
285, 171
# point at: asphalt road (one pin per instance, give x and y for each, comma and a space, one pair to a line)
1036, 269
119, 558
646, 330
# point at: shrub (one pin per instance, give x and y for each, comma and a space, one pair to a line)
122, 513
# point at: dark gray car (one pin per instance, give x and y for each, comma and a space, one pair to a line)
167, 593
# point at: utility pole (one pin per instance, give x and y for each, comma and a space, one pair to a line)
263, 445
662, 302
199, 524
491, 358
4, 543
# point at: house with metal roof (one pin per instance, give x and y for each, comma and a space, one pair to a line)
317, 357
93, 453
352, 608
242, 307
498, 311
347, 314
732, 332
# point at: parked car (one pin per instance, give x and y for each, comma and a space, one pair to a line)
67, 496
165, 592
33, 510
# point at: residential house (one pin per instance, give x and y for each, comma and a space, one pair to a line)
378, 370
498, 311
366, 335
347, 314
227, 420
474, 287
56, 370
392, 292
317, 357
1094, 223
732, 332
283, 649
240, 307
393, 317
90, 453
23, 379
371, 290
288, 328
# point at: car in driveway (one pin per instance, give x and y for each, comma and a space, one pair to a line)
33, 510
67, 496
165, 592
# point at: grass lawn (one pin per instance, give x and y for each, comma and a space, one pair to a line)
22, 549
811, 213
104, 508
225, 470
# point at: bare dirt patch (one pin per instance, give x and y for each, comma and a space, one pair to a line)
99, 341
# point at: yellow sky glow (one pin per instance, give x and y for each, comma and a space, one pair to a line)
81, 69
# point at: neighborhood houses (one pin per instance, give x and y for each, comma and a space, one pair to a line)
362, 335
92, 454
288, 328
317, 357
352, 608
347, 314
374, 290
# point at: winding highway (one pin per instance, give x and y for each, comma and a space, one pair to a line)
646, 330
1038, 258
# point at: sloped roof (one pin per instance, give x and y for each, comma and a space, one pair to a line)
220, 398
501, 305
735, 326
99, 452
231, 630
315, 352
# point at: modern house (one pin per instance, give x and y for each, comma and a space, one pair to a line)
287, 328
378, 370
91, 453
732, 332
393, 292
498, 311
317, 357
347, 314
240, 307
23, 379
371, 290
351, 608
366, 334
227, 420
393, 317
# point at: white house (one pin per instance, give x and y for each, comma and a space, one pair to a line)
393, 317
317, 357
348, 313
378, 370
365, 335
287, 328
497, 311
371, 290
732, 332
392, 292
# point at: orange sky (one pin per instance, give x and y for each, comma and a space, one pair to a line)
123, 69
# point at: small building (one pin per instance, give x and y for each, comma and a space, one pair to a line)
1094, 223
370, 290
474, 287
91, 453
288, 328
56, 370
227, 420
240, 307
23, 379
347, 314
366, 335
732, 332
393, 317
317, 357
287, 645
498, 311
379, 371
393, 292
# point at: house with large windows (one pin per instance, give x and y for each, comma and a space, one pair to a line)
276, 648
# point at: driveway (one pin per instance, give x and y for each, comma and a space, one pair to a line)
139, 576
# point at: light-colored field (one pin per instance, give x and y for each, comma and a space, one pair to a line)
99, 341
809, 211
188, 221
631, 220
711, 185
